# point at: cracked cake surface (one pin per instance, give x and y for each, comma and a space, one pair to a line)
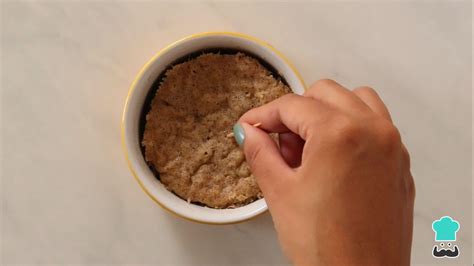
186, 137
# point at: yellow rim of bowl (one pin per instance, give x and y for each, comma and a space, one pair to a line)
140, 74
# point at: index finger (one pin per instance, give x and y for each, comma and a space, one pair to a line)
290, 112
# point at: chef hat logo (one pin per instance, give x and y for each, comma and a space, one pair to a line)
445, 229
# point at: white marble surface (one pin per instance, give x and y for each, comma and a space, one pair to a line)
67, 195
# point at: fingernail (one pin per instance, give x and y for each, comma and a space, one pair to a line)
239, 134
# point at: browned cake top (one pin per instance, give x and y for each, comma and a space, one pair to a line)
192, 113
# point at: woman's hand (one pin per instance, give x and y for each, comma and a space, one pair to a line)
338, 185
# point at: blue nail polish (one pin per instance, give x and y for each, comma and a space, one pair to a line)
239, 134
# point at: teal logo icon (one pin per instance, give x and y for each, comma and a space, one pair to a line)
445, 230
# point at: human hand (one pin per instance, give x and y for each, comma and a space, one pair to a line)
338, 185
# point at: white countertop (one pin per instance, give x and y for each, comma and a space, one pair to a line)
67, 194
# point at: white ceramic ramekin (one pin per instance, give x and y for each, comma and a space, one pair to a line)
135, 102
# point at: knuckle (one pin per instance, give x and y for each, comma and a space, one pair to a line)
288, 97
389, 136
323, 83
365, 90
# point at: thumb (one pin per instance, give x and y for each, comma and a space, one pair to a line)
262, 154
